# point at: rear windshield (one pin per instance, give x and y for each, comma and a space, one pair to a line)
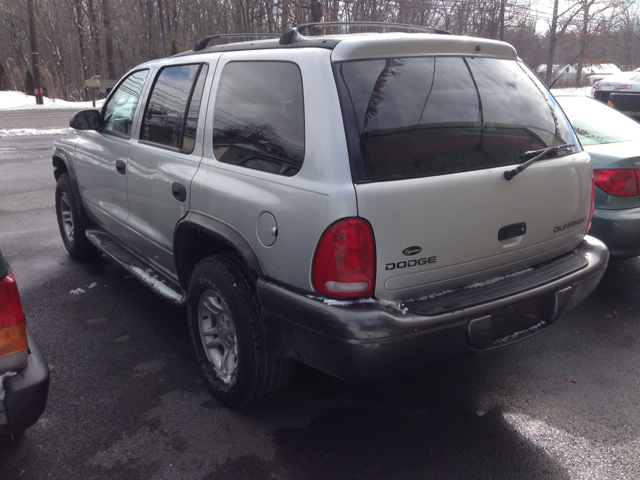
428, 116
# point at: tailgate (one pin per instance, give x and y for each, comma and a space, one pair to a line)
442, 232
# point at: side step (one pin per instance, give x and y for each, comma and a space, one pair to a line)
151, 277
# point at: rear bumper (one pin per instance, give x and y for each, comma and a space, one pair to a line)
25, 394
366, 340
619, 230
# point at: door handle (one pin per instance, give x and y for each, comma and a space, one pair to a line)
121, 167
179, 192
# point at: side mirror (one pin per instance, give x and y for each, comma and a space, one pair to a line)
85, 120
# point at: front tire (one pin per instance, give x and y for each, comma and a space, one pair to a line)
70, 222
227, 334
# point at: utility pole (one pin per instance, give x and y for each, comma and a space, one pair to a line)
34, 53
501, 21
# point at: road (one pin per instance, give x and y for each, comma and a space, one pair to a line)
39, 119
127, 400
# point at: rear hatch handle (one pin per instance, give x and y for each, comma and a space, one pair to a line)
537, 155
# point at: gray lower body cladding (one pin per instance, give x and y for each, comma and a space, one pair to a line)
367, 340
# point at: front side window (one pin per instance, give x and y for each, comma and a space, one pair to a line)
427, 116
259, 117
119, 111
170, 118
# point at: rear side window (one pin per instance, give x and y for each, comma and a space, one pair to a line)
259, 117
170, 119
427, 116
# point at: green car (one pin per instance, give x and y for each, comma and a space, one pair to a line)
613, 142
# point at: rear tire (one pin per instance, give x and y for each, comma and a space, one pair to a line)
227, 334
70, 222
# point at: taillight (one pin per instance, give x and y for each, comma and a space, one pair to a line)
593, 202
344, 264
596, 86
13, 335
625, 86
621, 183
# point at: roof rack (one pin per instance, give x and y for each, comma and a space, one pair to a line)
203, 42
295, 33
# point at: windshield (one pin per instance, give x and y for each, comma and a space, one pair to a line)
597, 123
427, 116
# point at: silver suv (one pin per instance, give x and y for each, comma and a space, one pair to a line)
365, 204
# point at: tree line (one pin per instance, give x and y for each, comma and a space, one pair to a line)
81, 38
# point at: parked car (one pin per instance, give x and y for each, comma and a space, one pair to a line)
24, 373
618, 82
358, 202
613, 142
627, 103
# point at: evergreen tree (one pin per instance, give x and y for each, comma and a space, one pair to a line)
174, 48
28, 83
4, 79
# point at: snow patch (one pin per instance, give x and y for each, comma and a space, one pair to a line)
497, 279
77, 291
21, 101
151, 279
345, 303
522, 333
400, 305
93, 285
8, 374
27, 132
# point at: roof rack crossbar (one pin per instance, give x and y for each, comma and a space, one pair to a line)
394, 26
203, 42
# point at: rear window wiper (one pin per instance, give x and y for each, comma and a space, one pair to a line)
537, 155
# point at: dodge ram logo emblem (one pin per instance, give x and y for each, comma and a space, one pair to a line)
411, 251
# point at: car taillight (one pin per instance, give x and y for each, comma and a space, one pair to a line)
13, 335
344, 264
625, 86
621, 183
593, 202
596, 86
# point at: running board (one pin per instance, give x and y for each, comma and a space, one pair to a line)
147, 274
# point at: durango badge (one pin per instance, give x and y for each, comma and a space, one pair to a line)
575, 223
411, 251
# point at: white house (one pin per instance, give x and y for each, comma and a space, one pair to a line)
565, 76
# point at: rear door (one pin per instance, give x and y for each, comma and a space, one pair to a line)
430, 139
164, 160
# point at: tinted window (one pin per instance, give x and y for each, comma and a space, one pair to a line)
419, 117
597, 123
121, 107
259, 117
172, 111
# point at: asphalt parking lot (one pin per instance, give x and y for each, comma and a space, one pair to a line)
127, 401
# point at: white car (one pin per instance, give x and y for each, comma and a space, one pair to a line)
623, 82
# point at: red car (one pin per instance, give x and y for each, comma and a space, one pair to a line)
24, 373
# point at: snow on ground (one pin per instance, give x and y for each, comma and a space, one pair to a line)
586, 91
25, 132
21, 101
